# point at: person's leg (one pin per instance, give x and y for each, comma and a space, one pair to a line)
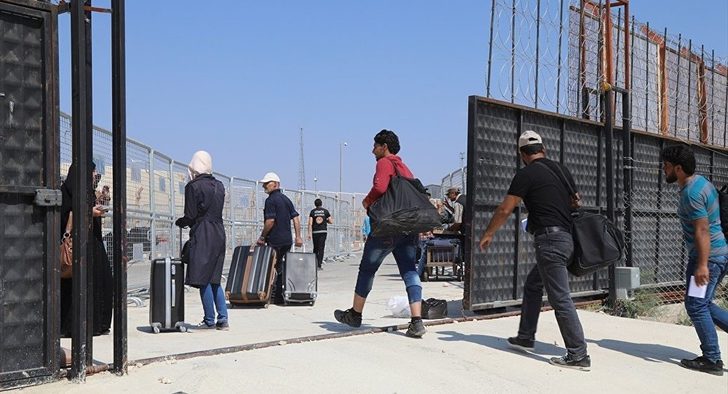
404, 254
553, 252
375, 250
322, 249
207, 305
422, 262
318, 247
279, 287
220, 305
720, 315
531, 305
699, 311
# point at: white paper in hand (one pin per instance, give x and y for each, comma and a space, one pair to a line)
696, 291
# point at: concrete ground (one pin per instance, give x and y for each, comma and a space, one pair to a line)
627, 354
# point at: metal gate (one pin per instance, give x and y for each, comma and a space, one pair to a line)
28, 194
495, 278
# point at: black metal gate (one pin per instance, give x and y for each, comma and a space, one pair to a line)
29, 279
652, 235
495, 278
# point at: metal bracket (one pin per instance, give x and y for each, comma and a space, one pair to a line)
48, 198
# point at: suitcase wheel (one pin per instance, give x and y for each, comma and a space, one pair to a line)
155, 328
182, 329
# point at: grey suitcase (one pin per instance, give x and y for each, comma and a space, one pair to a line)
300, 276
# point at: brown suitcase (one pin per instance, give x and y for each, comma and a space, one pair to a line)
252, 275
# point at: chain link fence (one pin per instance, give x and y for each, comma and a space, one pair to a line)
155, 199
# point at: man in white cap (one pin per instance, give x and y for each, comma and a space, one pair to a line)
278, 213
541, 185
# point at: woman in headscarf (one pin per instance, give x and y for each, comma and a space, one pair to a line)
204, 200
98, 265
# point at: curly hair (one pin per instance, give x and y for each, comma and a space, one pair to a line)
388, 137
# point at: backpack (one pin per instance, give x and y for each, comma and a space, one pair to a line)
598, 243
723, 203
433, 308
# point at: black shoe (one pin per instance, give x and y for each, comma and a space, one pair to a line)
702, 364
582, 364
416, 329
521, 344
347, 317
223, 326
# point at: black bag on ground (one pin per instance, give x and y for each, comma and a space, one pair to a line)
403, 209
598, 243
723, 202
433, 308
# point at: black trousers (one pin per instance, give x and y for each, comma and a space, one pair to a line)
319, 244
279, 288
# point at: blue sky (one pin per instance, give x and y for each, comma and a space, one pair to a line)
239, 78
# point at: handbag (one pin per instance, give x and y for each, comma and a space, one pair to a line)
598, 243
66, 250
404, 209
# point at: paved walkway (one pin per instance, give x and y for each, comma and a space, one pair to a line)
627, 355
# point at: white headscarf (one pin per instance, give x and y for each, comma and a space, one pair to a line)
201, 163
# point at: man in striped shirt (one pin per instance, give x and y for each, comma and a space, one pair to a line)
699, 213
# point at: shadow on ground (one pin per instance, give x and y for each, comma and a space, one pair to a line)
542, 351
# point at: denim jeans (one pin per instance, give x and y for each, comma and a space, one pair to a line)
404, 249
422, 262
553, 252
704, 314
213, 297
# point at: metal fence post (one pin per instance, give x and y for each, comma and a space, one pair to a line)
152, 207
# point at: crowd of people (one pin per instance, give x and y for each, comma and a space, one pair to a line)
548, 200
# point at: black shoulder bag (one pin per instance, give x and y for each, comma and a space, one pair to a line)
598, 243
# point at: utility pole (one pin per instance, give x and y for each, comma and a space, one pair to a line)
301, 167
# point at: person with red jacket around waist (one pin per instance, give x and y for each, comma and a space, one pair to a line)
403, 247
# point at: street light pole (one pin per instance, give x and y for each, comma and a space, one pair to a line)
341, 165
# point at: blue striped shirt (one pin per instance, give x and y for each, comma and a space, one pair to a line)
699, 199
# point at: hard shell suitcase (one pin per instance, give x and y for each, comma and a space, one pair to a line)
237, 269
254, 276
167, 295
300, 278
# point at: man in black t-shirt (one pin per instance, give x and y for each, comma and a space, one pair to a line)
539, 184
318, 220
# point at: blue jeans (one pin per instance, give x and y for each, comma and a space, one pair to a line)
213, 297
553, 252
704, 314
404, 249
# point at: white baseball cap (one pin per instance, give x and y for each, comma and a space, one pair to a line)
270, 177
529, 137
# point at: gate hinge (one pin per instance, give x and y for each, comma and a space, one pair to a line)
48, 197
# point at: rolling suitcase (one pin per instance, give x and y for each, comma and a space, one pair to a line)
254, 275
167, 295
300, 278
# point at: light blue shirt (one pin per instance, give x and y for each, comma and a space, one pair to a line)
699, 199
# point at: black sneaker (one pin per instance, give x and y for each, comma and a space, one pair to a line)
582, 364
416, 329
347, 317
527, 345
223, 326
702, 364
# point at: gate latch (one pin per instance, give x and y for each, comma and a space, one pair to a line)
48, 197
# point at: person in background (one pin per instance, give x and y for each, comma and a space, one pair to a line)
456, 202
99, 267
278, 214
204, 200
318, 220
366, 228
699, 213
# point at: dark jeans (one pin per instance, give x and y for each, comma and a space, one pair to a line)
279, 288
705, 314
404, 249
319, 243
553, 252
